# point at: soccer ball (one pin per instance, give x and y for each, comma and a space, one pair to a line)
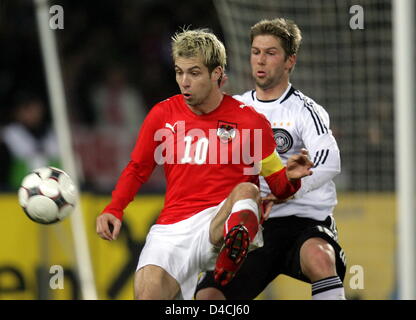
47, 195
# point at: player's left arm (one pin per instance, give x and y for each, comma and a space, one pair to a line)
317, 137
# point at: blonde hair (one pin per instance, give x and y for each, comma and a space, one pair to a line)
284, 29
199, 42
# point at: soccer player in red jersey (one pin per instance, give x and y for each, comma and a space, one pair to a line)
213, 149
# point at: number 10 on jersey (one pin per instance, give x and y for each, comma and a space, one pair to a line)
201, 150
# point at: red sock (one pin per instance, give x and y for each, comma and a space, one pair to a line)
247, 218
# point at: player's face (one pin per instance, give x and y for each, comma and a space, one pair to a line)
269, 65
194, 80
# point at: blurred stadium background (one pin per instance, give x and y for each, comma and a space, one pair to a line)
115, 60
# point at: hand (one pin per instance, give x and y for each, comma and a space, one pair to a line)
268, 202
108, 226
299, 166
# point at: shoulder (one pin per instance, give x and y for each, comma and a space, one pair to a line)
166, 106
305, 103
247, 97
169, 102
240, 106
311, 112
248, 114
161, 111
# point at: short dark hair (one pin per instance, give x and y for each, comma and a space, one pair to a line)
284, 29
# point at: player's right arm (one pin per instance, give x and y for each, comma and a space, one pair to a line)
137, 172
322, 146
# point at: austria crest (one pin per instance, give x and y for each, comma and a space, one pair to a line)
226, 131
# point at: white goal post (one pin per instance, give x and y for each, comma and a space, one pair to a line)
405, 102
62, 130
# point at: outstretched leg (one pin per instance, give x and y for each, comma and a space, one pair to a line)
235, 227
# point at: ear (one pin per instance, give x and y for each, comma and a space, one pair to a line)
217, 73
290, 62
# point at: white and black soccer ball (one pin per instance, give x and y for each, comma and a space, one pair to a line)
47, 195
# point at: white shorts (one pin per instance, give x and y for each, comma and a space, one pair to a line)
182, 249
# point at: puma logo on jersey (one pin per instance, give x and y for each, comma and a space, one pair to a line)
169, 126
243, 106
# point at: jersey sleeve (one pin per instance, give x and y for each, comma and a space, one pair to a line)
140, 166
274, 173
314, 129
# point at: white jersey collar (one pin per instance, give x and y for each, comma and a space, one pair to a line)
283, 96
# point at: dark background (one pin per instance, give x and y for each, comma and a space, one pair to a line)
96, 36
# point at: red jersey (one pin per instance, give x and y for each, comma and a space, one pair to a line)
204, 156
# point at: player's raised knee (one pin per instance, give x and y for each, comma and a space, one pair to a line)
246, 190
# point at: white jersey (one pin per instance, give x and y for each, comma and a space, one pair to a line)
299, 122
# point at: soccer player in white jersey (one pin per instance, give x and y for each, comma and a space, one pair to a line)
300, 237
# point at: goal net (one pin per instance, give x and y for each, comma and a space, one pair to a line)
348, 71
